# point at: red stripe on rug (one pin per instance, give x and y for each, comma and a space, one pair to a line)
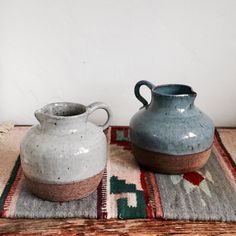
126, 132
224, 154
157, 198
10, 194
225, 149
149, 210
102, 198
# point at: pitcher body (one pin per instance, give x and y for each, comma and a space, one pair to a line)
171, 135
63, 157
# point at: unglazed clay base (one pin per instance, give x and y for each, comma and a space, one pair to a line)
170, 164
64, 192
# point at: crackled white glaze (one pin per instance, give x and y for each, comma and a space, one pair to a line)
64, 147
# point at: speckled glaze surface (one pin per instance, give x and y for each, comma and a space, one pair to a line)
171, 124
65, 147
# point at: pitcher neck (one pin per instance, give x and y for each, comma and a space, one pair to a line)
63, 126
177, 103
62, 118
174, 96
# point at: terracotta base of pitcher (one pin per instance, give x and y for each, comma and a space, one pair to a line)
170, 164
64, 192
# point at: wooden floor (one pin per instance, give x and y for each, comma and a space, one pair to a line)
114, 227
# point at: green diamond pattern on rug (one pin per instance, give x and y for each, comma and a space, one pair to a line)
125, 211
120, 136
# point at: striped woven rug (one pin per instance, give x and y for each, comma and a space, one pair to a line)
126, 191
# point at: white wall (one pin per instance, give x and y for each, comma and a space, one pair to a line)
84, 51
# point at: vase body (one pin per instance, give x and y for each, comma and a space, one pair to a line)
63, 157
171, 135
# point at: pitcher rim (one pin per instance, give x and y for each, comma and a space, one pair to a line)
60, 117
192, 93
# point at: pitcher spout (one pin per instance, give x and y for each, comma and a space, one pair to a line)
40, 116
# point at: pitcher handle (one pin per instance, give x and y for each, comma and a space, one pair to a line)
99, 105
137, 91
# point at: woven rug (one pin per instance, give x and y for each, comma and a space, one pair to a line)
126, 191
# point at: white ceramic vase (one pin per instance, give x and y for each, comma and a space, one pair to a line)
63, 157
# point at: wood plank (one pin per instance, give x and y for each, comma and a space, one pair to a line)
114, 227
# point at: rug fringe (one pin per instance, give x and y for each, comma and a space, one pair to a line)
5, 127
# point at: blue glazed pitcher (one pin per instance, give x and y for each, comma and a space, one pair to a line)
170, 135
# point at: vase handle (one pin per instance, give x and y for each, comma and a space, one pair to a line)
99, 105
137, 91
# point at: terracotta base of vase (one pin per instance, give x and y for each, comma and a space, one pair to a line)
170, 164
64, 192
